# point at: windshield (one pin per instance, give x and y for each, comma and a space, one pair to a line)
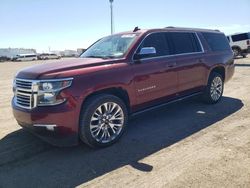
114, 46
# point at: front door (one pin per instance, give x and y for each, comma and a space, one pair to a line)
155, 77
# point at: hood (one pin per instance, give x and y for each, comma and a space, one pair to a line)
36, 71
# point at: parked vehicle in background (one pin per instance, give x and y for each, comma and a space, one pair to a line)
240, 44
4, 58
91, 97
25, 57
46, 56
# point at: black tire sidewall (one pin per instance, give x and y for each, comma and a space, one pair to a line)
88, 109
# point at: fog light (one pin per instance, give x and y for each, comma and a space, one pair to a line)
48, 127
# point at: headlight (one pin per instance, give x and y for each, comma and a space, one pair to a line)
49, 91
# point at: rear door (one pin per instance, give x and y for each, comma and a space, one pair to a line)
188, 52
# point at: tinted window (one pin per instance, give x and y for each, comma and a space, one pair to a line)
217, 41
158, 41
184, 42
239, 37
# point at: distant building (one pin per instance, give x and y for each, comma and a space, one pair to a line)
69, 53
12, 52
80, 51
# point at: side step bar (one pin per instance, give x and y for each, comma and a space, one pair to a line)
164, 104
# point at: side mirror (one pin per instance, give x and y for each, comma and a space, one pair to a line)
145, 52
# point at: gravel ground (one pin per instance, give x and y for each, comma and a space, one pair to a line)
186, 144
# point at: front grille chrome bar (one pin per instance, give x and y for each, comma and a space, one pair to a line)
25, 93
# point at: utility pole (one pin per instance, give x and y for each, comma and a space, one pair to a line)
111, 15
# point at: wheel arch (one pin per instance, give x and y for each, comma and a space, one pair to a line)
220, 70
236, 47
116, 91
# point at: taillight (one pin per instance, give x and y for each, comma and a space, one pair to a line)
248, 42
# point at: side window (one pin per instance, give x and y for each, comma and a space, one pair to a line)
239, 37
158, 41
196, 43
217, 41
184, 42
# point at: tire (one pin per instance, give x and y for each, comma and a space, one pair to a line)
214, 88
244, 55
236, 52
103, 120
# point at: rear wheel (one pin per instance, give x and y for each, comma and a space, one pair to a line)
236, 52
214, 88
103, 120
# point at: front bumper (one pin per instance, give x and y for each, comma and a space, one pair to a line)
63, 118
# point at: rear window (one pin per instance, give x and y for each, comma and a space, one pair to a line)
240, 37
30, 56
184, 42
217, 41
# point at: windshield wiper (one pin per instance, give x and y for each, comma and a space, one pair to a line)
102, 57
94, 56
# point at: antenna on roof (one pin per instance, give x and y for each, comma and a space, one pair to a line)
169, 27
136, 29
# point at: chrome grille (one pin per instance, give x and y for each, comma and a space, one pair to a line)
23, 93
23, 84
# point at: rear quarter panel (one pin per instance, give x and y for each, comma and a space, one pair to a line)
217, 59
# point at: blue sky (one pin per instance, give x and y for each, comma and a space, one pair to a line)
65, 24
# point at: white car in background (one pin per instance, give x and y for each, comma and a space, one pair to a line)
240, 44
25, 57
46, 56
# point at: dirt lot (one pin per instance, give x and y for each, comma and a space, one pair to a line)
188, 144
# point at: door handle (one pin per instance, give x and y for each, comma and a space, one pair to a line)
200, 60
171, 65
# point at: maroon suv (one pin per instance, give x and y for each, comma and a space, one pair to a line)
92, 97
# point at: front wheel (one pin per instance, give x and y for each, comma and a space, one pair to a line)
103, 120
214, 88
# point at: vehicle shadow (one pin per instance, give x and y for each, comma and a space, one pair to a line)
146, 134
240, 57
242, 65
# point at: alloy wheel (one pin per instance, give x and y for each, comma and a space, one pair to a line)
236, 52
216, 88
107, 122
